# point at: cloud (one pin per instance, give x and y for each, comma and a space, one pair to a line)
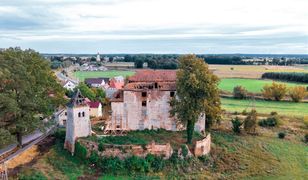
195, 24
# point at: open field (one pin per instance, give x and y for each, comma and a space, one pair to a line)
81, 75
252, 85
262, 106
251, 71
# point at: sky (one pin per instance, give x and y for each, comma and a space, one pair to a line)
156, 26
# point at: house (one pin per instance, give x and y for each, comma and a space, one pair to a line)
97, 82
96, 109
115, 84
70, 85
144, 103
61, 117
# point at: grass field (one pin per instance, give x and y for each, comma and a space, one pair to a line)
262, 106
252, 85
81, 75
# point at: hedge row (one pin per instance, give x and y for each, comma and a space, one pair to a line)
287, 76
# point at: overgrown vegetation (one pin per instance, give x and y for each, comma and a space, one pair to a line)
250, 122
236, 125
297, 93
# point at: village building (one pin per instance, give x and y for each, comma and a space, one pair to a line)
78, 121
96, 109
115, 84
61, 117
97, 82
144, 103
69, 85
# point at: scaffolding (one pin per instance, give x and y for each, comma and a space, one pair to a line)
3, 172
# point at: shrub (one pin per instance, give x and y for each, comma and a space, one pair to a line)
306, 121
60, 135
271, 121
184, 150
239, 92
306, 138
274, 91
297, 93
281, 135
136, 164
205, 159
236, 125
80, 151
112, 165
156, 162
244, 112
250, 122
101, 146
94, 157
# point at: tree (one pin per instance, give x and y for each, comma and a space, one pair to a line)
250, 122
28, 91
139, 63
194, 85
239, 92
274, 91
86, 91
297, 93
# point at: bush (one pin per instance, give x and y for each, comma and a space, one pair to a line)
274, 91
60, 135
306, 121
184, 150
306, 138
101, 146
281, 135
136, 164
112, 165
250, 122
94, 158
297, 93
244, 112
80, 151
236, 125
271, 121
239, 92
156, 163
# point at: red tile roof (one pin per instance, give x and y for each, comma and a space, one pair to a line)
93, 104
153, 76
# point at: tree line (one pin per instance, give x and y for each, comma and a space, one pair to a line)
287, 76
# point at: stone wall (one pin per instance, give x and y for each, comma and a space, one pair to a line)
203, 146
123, 151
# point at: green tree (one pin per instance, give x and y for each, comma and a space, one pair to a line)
28, 90
239, 92
86, 91
194, 84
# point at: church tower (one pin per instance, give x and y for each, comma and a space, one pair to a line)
98, 57
78, 121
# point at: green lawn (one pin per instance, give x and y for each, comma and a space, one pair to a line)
262, 106
81, 75
252, 85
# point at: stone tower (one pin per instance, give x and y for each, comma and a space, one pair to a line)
98, 57
78, 121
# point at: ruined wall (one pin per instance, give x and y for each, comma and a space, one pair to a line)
76, 126
152, 116
124, 151
203, 146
